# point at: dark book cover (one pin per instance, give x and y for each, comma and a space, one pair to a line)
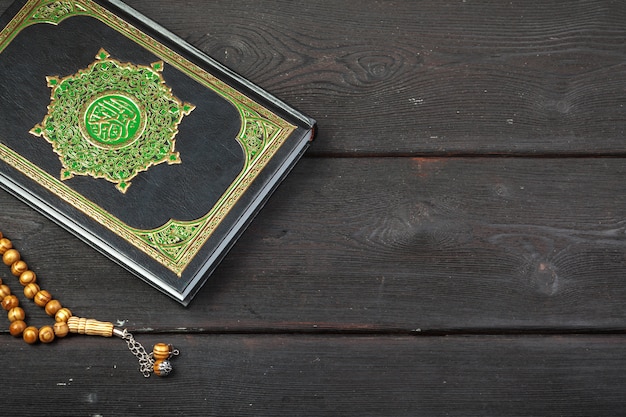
134, 140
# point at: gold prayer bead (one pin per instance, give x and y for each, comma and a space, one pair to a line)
4, 290
61, 329
10, 257
5, 245
17, 327
31, 289
27, 277
30, 335
9, 302
63, 315
16, 314
161, 351
46, 334
42, 298
52, 307
17, 268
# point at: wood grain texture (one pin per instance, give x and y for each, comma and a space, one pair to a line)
425, 77
378, 244
247, 375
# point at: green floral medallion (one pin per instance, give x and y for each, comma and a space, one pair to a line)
112, 120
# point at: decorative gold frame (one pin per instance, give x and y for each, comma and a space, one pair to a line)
175, 243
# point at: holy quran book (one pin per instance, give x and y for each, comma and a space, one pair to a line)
135, 141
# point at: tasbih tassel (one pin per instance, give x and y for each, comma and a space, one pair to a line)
158, 361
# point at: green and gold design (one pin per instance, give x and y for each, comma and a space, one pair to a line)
112, 120
175, 243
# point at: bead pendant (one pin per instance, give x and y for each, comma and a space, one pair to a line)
161, 354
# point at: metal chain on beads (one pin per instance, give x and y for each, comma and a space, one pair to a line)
146, 361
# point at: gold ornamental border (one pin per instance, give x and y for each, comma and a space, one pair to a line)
175, 243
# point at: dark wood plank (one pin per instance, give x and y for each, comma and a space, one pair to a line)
295, 375
427, 77
453, 244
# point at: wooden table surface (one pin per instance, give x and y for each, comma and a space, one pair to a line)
453, 243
